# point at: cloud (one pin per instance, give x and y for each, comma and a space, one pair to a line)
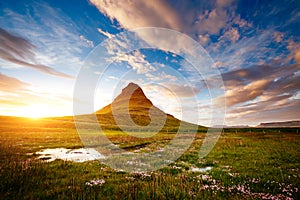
161, 76
260, 72
241, 22
204, 38
245, 93
188, 17
229, 37
223, 3
278, 36
9, 84
137, 61
212, 21
214, 18
297, 56
294, 48
218, 64
136, 14
89, 43
245, 52
172, 89
107, 34
232, 34
279, 108
201, 21
182, 90
20, 51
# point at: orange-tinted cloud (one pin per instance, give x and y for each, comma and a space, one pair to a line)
136, 14
10, 84
186, 16
294, 48
297, 56
258, 91
19, 99
241, 94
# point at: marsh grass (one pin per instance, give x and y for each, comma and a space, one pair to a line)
256, 165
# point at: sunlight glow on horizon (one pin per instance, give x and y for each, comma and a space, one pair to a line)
37, 111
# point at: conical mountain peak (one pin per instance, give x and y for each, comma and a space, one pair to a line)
133, 95
132, 98
132, 85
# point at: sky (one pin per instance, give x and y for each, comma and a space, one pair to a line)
252, 45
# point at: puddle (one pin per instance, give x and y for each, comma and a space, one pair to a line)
76, 155
203, 169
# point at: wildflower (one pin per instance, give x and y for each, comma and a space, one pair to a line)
95, 182
130, 178
205, 177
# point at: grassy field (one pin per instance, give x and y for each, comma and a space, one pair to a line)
245, 164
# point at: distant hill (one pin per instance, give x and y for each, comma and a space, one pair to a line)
227, 126
291, 124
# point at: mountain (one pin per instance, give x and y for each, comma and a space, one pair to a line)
133, 100
132, 104
280, 124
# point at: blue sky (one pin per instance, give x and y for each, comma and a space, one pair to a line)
255, 45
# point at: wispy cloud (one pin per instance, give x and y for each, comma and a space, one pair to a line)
107, 34
294, 48
242, 53
55, 36
10, 84
20, 51
232, 34
279, 108
137, 61
161, 76
212, 21
244, 93
89, 43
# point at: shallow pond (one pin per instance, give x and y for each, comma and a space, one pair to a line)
76, 155
203, 169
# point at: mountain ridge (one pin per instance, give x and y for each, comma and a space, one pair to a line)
293, 123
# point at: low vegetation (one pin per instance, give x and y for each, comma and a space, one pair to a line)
245, 164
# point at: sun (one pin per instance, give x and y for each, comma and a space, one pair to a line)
36, 111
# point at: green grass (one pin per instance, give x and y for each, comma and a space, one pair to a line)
256, 165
